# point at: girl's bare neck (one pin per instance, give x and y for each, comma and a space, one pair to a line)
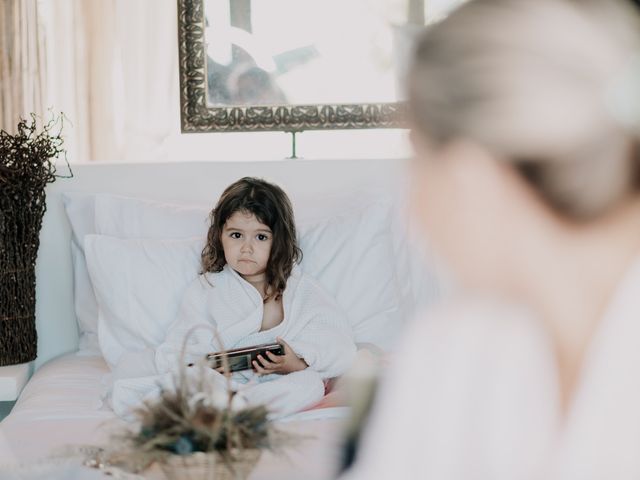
259, 282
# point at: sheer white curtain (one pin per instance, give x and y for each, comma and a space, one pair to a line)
22, 67
112, 69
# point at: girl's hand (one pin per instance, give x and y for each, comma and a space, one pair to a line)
287, 363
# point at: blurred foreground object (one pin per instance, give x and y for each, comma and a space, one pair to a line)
526, 180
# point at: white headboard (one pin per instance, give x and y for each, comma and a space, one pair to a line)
187, 182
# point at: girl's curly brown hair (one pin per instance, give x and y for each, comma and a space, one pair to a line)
271, 206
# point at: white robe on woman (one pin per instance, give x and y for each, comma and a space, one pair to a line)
474, 394
313, 325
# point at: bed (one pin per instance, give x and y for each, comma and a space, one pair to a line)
354, 229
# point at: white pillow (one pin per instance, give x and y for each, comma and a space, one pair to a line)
139, 282
349, 252
351, 255
80, 209
138, 285
185, 221
125, 217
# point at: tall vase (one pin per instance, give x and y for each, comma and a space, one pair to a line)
22, 206
26, 167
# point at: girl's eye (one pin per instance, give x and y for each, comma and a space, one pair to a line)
235, 235
262, 237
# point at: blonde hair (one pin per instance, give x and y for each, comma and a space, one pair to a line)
547, 84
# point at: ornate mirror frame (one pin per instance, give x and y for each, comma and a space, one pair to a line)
197, 116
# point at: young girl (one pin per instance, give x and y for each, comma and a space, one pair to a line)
252, 292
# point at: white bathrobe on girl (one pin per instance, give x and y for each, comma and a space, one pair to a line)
314, 326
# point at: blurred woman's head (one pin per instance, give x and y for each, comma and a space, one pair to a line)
524, 102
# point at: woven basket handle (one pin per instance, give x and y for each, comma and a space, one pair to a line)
200, 363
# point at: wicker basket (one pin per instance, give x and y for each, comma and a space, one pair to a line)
21, 212
26, 167
210, 466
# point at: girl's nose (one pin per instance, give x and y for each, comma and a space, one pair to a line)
247, 247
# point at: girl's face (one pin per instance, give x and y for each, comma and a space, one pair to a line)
247, 245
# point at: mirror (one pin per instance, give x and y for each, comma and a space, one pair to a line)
293, 65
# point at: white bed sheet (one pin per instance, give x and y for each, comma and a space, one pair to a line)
61, 405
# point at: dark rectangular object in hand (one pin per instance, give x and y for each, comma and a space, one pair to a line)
242, 358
